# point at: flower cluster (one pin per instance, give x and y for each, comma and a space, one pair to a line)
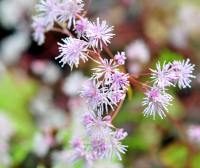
102, 140
170, 74
106, 89
107, 86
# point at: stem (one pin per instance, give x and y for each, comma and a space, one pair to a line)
114, 113
108, 51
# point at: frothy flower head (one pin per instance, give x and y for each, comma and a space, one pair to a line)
40, 27
120, 81
183, 72
81, 27
156, 102
72, 51
68, 11
120, 58
95, 95
47, 10
99, 33
193, 133
163, 76
104, 70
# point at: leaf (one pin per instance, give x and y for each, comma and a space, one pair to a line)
15, 93
174, 156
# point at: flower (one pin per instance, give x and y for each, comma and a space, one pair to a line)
120, 58
119, 81
99, 33
105, 69
97, 126
163, 76
156, 102
81, 27
138, 50
40, 27
72, 51
95, 96
193, 133
68, 10
71, 85
48, 11
183, 72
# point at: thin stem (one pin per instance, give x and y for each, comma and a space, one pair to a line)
108, 51
114, 113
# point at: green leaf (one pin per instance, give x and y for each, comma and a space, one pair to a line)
174, 156
15, 94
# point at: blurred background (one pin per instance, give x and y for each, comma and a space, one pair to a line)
39, 101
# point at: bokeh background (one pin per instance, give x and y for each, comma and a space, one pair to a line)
39, 101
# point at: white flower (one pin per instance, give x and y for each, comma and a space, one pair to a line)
183, 71
72, 51
139, 51
99, 33
95, 96
105, 69
156, 102
40, 27
47, 10
68, 10
120, 58
163, 76
71, 85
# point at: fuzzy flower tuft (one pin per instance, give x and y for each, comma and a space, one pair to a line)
156, 102
183, 72
72, 51
120, 58
99, 33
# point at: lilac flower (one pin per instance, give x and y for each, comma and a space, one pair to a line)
163, 76
115, 147
119, 81
81, 27
156, 102
115, 96
68, 10
99, 33
120, 58
47, 10
183, 72
99, 147
96, 126
193, 133
72, 51
105, 69
39, 26
120, 134
104, 140
95, 96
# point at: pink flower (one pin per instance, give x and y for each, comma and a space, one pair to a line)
163, 76
119, 81
40, 27
183, 71
72, 51
68, 10
156, 102
120, 58
104, 70
95, 96
48, 11
81, 27
99, 33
